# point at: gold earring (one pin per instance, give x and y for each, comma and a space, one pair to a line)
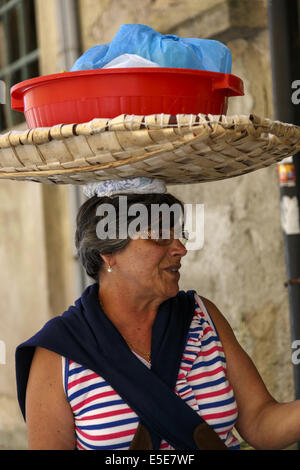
109, 269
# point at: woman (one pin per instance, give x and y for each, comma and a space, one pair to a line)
148, 339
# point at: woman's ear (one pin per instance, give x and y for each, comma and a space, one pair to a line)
108, 260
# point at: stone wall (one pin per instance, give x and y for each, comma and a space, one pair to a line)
23, 291
36, 258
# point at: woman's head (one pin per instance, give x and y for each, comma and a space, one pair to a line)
116, 243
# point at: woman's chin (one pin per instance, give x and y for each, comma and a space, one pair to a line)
173, 290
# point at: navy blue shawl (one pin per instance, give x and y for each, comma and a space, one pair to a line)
85, 335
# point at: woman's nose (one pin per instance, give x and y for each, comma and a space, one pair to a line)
177, 248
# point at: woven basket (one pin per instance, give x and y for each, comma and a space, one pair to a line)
177, 149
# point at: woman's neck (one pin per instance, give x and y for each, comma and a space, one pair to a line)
127, 310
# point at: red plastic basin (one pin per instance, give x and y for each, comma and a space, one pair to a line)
76, 97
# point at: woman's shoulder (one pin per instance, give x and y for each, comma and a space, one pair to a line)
218, 319
45, 378
45, 374
46, 366
45, 355
210, 308
230, 344
49, 418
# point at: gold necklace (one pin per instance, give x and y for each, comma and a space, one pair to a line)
146, 356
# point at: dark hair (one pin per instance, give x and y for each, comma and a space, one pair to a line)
89, 245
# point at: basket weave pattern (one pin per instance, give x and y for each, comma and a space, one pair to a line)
178, 149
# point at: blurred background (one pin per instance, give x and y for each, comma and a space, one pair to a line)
242, 266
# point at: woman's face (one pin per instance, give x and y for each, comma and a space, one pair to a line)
150, 268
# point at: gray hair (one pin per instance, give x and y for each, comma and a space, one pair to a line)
89, 246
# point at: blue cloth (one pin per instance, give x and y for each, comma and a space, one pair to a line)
166, 50
85, 335
135, 185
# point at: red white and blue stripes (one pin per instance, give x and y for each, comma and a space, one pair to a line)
104, 421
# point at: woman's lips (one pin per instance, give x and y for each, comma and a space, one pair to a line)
174, 271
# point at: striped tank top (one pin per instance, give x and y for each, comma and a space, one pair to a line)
103, 421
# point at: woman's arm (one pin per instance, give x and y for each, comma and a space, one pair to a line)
262, 421
49, 418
